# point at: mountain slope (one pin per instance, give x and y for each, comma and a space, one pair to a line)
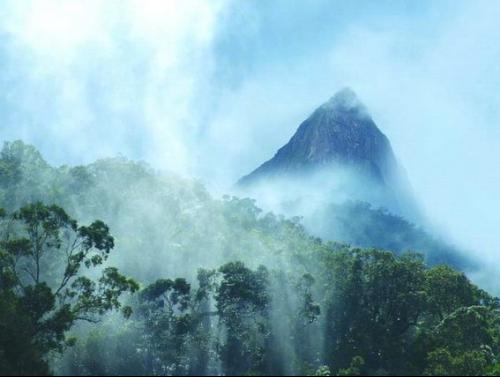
339, 131
340, 174
341, 143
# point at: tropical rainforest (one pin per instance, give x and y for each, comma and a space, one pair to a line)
114, 268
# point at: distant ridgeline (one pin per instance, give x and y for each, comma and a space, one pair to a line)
340, 174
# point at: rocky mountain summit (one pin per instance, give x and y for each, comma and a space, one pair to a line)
341, 135
341, 132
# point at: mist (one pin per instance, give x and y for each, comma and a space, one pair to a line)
211, 90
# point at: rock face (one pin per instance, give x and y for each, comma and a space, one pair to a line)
341, 134
340, 131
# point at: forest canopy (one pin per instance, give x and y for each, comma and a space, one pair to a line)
170, 281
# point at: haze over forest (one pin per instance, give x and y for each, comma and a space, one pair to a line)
223, 187
98, 79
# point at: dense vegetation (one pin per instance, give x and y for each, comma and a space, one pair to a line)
222, 288
43, 291
376, 227
366, 312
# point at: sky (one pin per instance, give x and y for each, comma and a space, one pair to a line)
211, 89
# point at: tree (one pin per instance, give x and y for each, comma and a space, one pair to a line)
464, 343
448, 290
376, 299
24, 175
242, 304
304, 318
43, 290
165, 311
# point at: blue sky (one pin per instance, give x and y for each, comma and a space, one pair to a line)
212, 89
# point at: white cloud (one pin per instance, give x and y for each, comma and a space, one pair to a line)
109, 75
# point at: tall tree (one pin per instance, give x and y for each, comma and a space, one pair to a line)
43, 290
242, 305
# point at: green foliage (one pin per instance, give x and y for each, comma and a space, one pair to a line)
448, 290
358, 223
42, 291
443, 363
322, 371
493, 370
393, 312
377, 298
463, 343
23, 175
310, 310
315, 308
242, 304
379, 319
165, 312
354, 369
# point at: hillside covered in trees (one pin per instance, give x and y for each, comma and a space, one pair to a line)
115, 269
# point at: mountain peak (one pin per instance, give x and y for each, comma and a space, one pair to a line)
340, 137
345, 98
340, 131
